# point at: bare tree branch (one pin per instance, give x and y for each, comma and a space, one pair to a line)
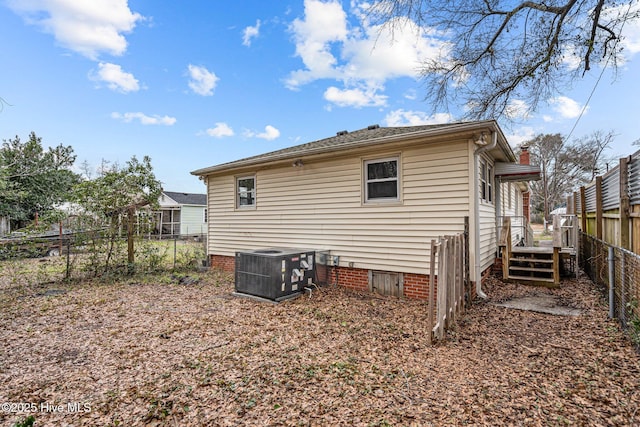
499, 51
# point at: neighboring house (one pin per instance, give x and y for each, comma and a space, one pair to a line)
374, 197
181, 214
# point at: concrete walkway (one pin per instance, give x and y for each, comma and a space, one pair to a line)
542, 304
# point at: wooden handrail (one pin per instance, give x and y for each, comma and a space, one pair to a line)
505, 244
557, 232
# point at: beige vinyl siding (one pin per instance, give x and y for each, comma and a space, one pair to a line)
321, 206
510, 193
487, 223
513, 210
192, 220
519, 223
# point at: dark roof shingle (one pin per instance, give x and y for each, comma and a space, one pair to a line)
345, 140
342, 140
187, 198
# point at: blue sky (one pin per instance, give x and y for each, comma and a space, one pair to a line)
197, 83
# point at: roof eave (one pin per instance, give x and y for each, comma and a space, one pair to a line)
520, 177
490, 125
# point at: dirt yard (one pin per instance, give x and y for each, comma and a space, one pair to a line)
145, 354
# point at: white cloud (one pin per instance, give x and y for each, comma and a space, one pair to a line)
571, 58
630, 40
415, 118
566, 107
359, 55
522, 134
411, 95
324, 23
144, 119
354, 97
380, 54
203, 81
250, 33
628, 44
86, 27
220, 130
517, 109
270, 133
115, 78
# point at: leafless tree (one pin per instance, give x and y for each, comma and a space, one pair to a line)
565, 166
500, 51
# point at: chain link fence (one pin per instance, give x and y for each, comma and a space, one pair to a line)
76, 256
616, 273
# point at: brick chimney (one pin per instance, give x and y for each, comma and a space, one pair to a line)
524, 155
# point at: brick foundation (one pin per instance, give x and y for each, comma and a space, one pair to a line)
416, 286
223, 263
351, 278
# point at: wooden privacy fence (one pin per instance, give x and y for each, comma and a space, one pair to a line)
609, 215
449, 263
609, 207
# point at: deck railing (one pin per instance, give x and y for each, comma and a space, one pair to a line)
521, 233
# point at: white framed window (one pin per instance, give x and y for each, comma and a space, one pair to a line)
381, 180
489, 184
245, 192
486, 186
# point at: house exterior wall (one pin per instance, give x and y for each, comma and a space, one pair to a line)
511, 205
192, 220
321, 206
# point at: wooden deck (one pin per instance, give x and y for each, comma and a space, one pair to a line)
537, 264
532, 250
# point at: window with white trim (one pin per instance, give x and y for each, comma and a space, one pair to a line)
245, 192
381, 180
486, 186
489, 184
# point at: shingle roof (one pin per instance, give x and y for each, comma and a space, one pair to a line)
515, 172
342, 140
187, 198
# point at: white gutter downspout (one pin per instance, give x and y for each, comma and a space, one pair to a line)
476, 207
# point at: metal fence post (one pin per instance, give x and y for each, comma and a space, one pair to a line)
175, 251
612, 283
623, 298
68, 270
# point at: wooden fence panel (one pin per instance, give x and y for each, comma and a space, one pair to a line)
611, 227
635, 227
609, 207
448, 258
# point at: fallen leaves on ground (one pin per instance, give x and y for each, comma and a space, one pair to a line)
156, 354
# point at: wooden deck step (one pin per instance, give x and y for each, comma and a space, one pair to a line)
542, 250
531, 279
532, 265
540, 260
532, 269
